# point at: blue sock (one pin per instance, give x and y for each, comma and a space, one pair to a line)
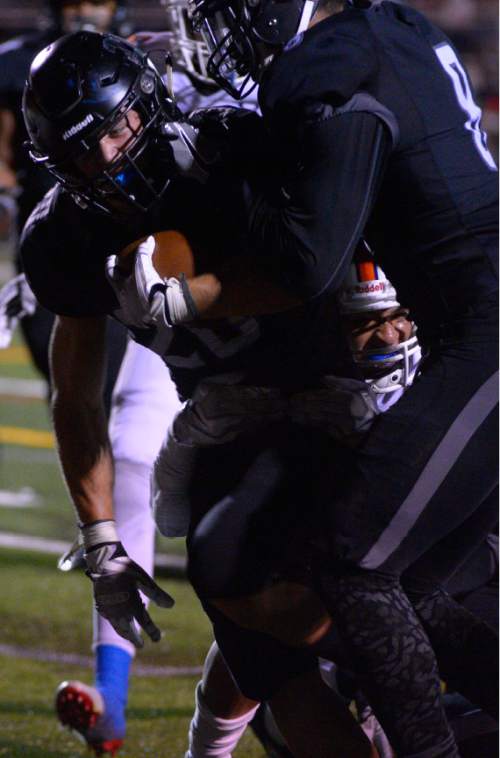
112, 667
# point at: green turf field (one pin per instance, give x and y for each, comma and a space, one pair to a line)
46, 615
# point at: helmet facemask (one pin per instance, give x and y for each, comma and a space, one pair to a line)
243, 35
390, 368
233, 60
365, 295
188, 49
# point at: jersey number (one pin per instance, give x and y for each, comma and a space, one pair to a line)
449, 61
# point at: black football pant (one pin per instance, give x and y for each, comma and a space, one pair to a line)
252, 512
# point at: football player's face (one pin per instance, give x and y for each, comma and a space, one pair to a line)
105, 157
119, 137
375, 329
89, 15
112, 145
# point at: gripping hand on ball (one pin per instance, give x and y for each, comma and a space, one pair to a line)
117, 580
166, 301
147, 299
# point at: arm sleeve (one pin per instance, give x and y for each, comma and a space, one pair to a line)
308, 239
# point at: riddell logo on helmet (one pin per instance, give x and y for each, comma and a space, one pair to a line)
77, 127
372, 287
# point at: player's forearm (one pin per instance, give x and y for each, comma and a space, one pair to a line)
85, 457
239, 288
308, 239
77, 361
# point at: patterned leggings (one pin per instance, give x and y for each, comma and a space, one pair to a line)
392, 645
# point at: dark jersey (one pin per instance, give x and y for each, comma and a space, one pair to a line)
64, 249
376, 109
15, 60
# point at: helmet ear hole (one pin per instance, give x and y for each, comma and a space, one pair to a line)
147, 83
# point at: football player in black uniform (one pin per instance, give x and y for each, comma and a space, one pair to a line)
100, 118
374, 116
19, 176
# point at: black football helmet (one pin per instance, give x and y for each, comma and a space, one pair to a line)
236, 30
81, 87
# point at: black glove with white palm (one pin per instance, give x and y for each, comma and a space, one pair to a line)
117, 580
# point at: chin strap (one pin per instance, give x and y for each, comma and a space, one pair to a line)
390, 382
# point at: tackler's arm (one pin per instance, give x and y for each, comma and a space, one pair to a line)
239, 287
156, 283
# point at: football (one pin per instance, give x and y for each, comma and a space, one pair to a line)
233, 288
172, 255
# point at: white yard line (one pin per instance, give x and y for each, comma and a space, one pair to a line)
26, 497
30, 388
88, 661
175, 563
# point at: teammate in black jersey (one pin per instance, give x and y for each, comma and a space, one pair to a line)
372, 110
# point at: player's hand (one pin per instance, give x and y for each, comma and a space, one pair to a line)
341, 407
145, 298
239, 135
117, 580
164, 301
16, 301
132, 310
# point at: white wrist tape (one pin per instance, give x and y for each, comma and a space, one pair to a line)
164, 302
180, 304
98, 533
